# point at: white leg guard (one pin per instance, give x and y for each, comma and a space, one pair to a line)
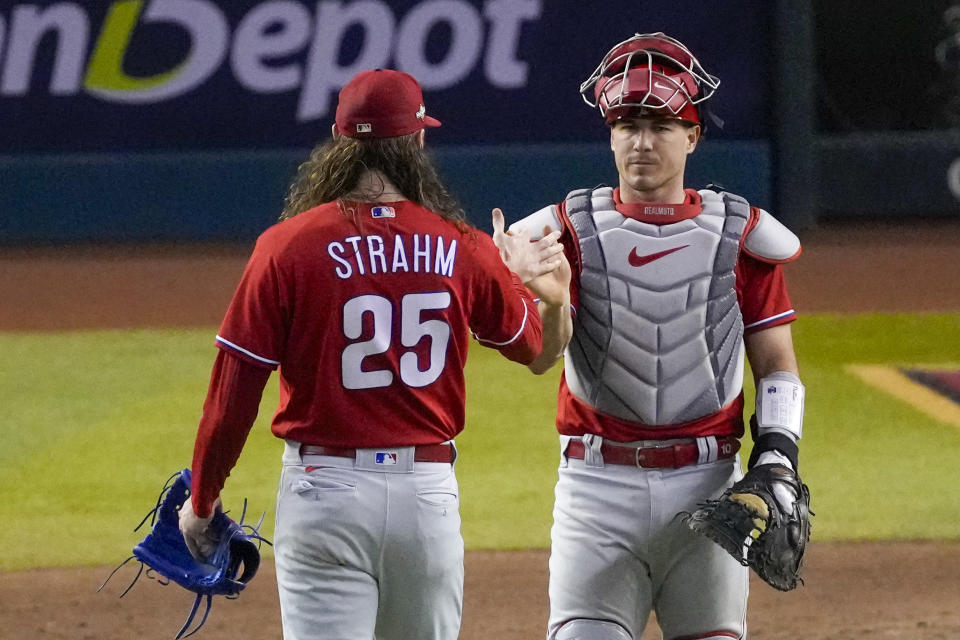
591, 630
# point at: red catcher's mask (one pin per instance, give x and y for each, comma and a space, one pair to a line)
649, 73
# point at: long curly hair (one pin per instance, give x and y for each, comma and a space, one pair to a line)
333, 171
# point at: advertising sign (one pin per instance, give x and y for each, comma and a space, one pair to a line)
140, 75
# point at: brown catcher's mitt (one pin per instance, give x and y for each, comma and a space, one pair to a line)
763, 521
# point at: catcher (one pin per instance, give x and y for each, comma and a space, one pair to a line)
672, 288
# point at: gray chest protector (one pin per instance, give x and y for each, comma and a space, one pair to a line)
658, 335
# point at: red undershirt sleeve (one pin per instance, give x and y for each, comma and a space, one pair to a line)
229, 411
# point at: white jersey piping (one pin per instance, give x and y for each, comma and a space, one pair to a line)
516, 335
244, 351
770, 319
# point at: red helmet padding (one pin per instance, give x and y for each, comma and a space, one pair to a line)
661, 90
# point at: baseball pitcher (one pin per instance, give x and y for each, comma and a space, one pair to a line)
364, 297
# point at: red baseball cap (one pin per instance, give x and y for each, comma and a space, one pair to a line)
382, 103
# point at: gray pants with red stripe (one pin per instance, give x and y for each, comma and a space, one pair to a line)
619, 551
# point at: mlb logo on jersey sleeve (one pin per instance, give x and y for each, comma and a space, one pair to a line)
386, 458
383, 212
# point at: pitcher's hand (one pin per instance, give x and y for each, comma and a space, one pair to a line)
195, 533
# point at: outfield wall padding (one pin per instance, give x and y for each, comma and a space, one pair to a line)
233, 196
889, 175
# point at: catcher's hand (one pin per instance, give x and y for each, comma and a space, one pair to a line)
763, 521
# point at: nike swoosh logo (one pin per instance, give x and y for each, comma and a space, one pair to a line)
637, 260
663, 86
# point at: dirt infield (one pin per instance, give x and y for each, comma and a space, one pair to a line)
904, 591
855, 591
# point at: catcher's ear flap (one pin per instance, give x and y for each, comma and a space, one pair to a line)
243, 552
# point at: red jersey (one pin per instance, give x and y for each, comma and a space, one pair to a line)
368, 318
370, 326
764, 303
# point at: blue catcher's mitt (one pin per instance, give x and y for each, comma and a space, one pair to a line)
164, 551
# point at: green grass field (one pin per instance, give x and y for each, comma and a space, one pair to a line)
94, 423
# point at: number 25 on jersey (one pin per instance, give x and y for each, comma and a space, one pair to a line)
412, 330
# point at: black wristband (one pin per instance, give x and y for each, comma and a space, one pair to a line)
772, 441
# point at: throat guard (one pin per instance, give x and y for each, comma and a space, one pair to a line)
658, 334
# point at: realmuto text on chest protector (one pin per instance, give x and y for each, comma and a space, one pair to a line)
373, 254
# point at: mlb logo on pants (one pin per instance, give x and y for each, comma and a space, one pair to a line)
385, 457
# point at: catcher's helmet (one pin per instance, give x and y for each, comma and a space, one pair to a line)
649, 72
